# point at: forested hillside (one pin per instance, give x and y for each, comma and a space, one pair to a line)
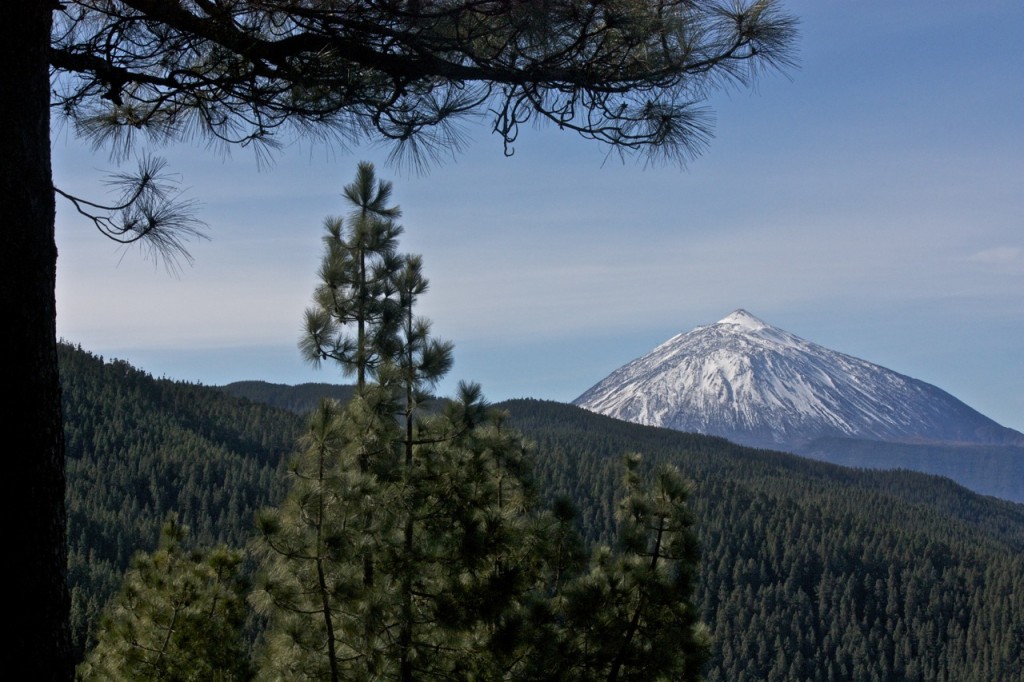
299, 399
809, 570
989, 469
139, 448
814, 571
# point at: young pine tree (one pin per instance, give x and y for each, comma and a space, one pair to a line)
630, 617
312, 583
178, 617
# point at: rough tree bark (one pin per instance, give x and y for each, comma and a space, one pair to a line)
34, 433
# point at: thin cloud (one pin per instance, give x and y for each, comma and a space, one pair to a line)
999, 255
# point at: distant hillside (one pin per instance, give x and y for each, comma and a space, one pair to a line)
300, 399
810, 571
996, 470
563, 433
139, 448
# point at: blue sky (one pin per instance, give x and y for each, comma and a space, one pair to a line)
871, 200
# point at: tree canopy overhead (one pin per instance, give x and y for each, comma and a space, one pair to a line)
628, 73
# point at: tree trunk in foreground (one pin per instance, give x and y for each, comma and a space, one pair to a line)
33, 426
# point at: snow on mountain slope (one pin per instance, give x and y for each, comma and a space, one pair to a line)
759, 385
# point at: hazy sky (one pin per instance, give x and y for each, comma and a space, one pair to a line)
871, 201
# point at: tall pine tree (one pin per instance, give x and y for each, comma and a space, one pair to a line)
407, 531
411, 545
354, 317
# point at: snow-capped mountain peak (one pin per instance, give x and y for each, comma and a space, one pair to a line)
741, 318
757, 384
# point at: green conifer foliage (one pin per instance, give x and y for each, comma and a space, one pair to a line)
178, 617
629, 615
445, 519
405, 535
411, 545
357, 282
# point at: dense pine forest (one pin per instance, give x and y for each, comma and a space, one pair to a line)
140, 448
301, 399
813, 571
808, 571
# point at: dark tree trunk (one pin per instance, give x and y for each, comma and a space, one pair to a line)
34, 466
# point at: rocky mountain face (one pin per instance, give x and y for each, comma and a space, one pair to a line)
756, 384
